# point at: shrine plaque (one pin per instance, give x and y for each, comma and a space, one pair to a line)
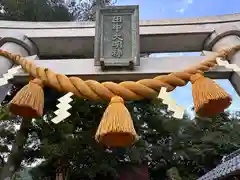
117, 36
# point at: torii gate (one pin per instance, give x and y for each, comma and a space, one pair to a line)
74, 41
47, 43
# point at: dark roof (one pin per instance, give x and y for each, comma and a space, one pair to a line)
226, 168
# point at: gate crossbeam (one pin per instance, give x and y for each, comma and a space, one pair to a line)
149, 68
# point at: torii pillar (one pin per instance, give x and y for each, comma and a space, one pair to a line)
226, 37
17, 44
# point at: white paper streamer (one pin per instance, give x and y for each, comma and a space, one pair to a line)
172, 106
225, 63
63, 106
9, 75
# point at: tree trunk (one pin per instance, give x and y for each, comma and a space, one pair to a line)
2, 162
17, 152
59, 176
62, 169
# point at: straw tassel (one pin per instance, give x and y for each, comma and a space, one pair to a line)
29, 101
116, 128
209, 98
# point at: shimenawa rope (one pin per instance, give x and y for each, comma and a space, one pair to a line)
128, 90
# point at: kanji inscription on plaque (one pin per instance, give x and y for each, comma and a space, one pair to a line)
117, 36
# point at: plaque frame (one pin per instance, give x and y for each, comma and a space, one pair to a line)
132, 61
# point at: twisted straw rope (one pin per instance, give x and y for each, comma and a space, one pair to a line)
128, 90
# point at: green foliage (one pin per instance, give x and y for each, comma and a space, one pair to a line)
48, 10
165, 142
23, 175
72, 141
7, 132
4, 113
35, 10
173, 174
85, 10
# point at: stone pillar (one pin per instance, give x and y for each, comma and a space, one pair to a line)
17, 44
226, 37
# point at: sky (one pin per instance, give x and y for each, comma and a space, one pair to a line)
163, 9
